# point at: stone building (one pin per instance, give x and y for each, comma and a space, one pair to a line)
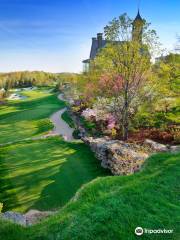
99, 42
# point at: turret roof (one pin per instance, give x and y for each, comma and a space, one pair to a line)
138, 17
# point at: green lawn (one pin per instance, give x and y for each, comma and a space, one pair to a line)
44, 174
22, 119
112, 207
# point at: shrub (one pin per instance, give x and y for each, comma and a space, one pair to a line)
76, 134
159, 120
90, 126
143, 119
44, 125
113, 133
175, 131
67, 118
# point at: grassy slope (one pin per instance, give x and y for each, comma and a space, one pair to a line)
44, 174
22, 119
112, 207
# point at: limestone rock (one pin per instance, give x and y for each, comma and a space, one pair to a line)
119, 157
14, 217
27, 219
35, 216
157, 147
175, 149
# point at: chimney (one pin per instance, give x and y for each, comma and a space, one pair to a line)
93, 39
99, 39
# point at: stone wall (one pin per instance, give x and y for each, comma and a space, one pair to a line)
123, 158
30, 218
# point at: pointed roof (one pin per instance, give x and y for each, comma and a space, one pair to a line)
138, 17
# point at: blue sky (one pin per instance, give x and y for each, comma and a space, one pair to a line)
55, 35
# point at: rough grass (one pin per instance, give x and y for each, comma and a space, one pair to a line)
67, 118
112, 207
22, 119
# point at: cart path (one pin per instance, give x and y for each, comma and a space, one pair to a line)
60, 126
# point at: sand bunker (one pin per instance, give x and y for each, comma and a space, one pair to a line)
15, 96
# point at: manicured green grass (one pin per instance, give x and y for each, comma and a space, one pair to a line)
22, 119
112, 207
44, 174
67, 118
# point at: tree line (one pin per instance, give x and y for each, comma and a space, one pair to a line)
24, 79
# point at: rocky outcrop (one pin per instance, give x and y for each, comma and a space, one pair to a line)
14, 217
156, 147
27, 219
123, 158
35, 216
119, 157
175, 149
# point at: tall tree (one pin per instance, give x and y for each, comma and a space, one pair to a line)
167, 70
123, 66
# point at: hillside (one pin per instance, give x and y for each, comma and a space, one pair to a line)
112, 207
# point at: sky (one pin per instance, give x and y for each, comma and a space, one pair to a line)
55, 35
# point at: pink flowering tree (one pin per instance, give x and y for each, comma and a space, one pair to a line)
110, 84
111, 122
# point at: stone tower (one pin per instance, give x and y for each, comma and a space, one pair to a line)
137, 28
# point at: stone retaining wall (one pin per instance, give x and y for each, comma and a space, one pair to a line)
30, 218
123, 158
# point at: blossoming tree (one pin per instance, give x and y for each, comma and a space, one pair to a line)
122, 69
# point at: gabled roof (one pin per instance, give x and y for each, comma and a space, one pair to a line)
94, 47
97, 44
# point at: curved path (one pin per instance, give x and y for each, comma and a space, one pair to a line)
60, 126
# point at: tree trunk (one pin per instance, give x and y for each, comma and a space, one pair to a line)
125, 126
125, 118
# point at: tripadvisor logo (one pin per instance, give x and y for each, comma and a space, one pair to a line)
140, 231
